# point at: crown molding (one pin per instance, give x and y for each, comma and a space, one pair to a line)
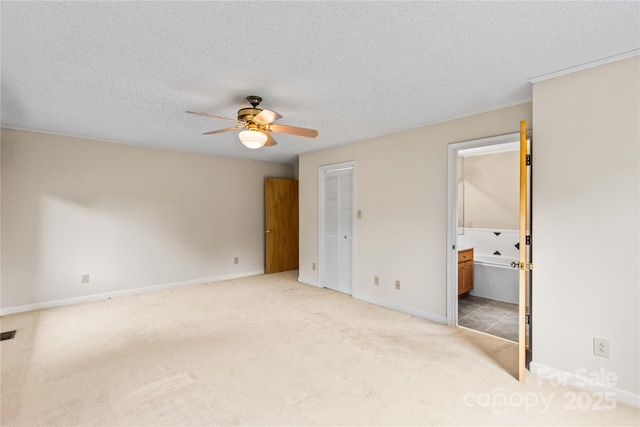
586, 66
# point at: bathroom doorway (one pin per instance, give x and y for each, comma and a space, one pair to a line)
481, 253
487, 238
483, 219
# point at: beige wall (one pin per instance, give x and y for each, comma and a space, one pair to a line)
491, 190
586, 220
131, 217
401, 188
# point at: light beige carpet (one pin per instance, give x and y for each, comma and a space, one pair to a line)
266, 350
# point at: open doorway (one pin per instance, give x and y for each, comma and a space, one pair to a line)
487, 238
483, 235
459, 242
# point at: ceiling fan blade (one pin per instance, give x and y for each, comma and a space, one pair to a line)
309, 133
223, 130
214, 117
267, 116
270, 140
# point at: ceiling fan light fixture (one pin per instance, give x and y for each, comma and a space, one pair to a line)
252, 138
257, 125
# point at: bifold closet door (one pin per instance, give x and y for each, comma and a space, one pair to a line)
337, 230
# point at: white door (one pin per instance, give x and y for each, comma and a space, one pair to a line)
336, 227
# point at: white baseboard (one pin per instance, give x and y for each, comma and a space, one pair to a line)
408, 310
107, 295
383, 303
309, 282
583, 382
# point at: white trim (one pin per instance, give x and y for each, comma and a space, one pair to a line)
108, 295
558, 376
452, 235
490, 149
309, 282
418, 313
321, 171
586, 66
452, 226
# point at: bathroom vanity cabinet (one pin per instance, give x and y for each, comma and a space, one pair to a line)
465, 271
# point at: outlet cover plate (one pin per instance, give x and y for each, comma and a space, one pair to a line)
601, 347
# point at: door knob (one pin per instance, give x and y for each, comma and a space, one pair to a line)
522, 265
267, 231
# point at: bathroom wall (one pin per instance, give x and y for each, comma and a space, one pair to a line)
491, 190
493, 241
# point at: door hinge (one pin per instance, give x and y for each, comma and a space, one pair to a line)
528, 159
527, 319
527, 240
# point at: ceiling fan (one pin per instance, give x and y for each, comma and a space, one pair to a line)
257, 124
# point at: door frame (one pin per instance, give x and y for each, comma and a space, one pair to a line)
452, 211
321, 171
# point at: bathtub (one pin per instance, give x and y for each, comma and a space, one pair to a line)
494, 278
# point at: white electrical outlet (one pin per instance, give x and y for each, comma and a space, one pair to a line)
84, 278
601, 347
397, 284
313, 266
359, 214
235, 260
376, 280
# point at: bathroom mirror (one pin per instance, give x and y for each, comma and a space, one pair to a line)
460, 173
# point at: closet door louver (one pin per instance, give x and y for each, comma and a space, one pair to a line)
345, 221
338, 230
331, 253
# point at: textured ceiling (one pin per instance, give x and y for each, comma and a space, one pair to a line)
127, 71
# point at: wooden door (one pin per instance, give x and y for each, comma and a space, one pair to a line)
467, 276
465, 271
524, 262
281, 224
461, 278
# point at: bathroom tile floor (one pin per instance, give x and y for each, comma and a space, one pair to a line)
492, 317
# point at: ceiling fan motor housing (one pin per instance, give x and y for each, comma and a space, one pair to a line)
247, 114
